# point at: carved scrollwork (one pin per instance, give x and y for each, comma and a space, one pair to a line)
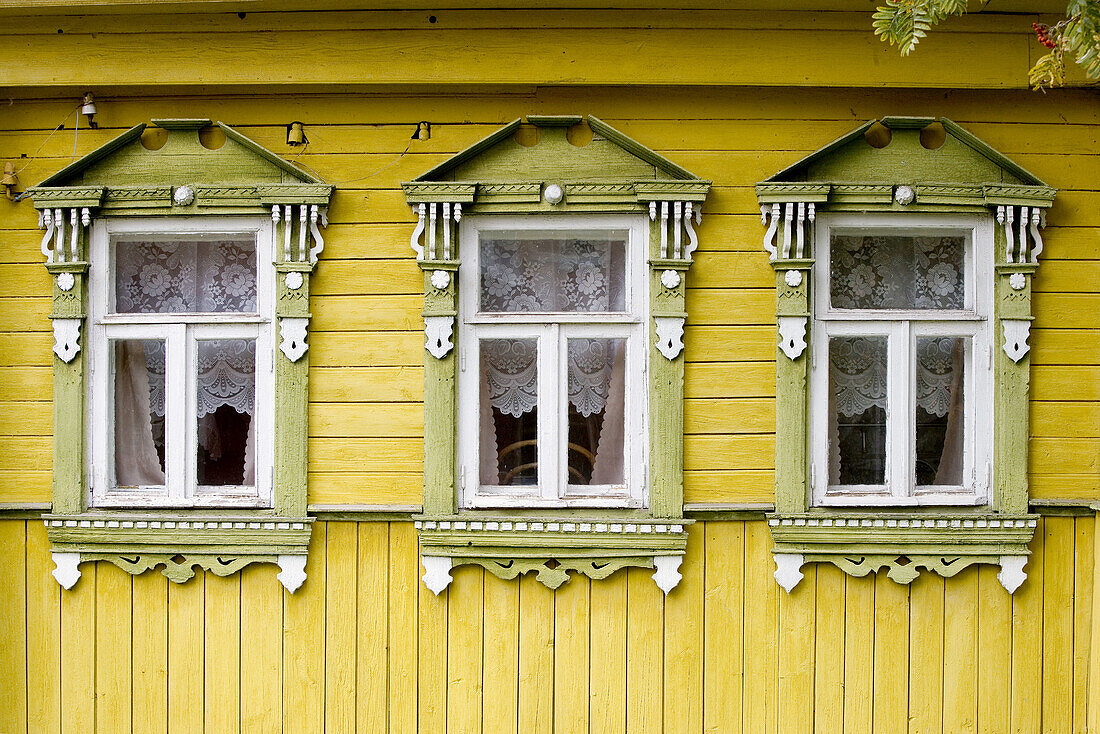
66, 338
670, 335
438, 331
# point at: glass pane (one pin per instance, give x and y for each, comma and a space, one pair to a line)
553, 271
185, 276
596, 370
509, 412
939, 416
857, 409
139, 412
225, 397
893, 271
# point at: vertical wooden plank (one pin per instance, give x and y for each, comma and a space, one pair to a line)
723, 620
571, 661
431, 659
371, 659
960, 652
683, 699
536, 656
796, 654
1058, 571
112, 648
1094, 634
1027, 641
1083, 549
185, 655
828, 674
78, 653
859, 653
994, 652
464, 638
223, 653
644, 652
926, 662
340, 623
261, 649
43, 635
761, 631
13, 610
150, 653
304, 643
607, 703
500, 671
891, 663
403, 580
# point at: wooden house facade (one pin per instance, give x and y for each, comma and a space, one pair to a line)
724, 575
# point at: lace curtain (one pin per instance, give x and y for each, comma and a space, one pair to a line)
226, 376
185, 276
858, 372
897, 272
595, 385
552, 275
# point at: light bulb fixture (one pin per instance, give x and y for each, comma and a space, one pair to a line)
296, 134
423, 131
88, 109
9, 181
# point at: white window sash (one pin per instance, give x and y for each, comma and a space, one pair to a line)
552, 331
180, 332
902, 327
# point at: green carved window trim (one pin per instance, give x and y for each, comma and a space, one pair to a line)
124, 179
500, 176
907, 176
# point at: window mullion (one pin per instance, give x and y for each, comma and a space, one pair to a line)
549, 453
179, 359
901, 389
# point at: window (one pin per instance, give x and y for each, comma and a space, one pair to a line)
903, 264
553, 354
180, 317
900, 390
551, 403
181, 352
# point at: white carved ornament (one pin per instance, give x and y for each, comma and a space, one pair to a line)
293, 333
1012, 572
667, 575
67, 569
1023, 243
792, 335
674, 219
438, 331
788, 570
292, 572
670, 335
437, 573
1016, 333
66, 338
796, 239
54, 245
436, 219
309, 243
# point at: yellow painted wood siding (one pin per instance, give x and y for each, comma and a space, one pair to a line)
362, 645
366, 384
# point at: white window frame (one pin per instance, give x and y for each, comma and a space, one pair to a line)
902, 327
180, 332
552, 330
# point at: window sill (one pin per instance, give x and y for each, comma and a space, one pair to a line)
139, 541
510, 546
943, 542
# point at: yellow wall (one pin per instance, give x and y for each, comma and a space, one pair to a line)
363, 645
366, 382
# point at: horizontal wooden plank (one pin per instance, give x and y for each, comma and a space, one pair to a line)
729, 486
1064, 486
26, 418
1064, 456
729, 380
696, 56
1051, 383
366, 384
740, 415
366, 488
366, 455
1065, 420
19, 484
726, 452
358, 420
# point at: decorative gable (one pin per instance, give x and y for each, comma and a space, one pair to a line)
181, 177
938, 161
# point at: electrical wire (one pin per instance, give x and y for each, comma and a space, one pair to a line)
59, 126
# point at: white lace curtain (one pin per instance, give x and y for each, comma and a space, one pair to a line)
226, 376
595, 384
181, 276
897, 272
524, 275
